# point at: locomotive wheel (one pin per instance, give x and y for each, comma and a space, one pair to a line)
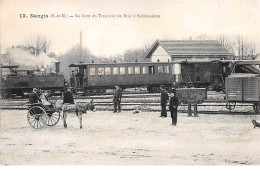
53, 118
230, 106
256, 107
36, 116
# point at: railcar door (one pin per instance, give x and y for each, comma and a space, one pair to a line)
85, 77
81, 75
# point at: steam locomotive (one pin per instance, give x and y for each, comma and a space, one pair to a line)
20, 83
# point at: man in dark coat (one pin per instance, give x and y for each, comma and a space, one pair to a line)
164, 100
79, 78
117, 99
173, 107
34, 97
72, 79
68, 96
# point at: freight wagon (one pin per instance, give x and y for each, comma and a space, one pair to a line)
243, 88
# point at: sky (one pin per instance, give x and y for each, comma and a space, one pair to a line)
106, 36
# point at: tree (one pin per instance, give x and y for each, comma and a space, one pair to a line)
52, 55
133, 55
245, 49
252, 50
37, 44
75, 55
226, 43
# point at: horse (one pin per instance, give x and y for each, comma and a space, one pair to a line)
79, 109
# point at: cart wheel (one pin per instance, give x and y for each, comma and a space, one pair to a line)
256, 107
53, 118
36, 116
230, 106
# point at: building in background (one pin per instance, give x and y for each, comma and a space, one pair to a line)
195, 51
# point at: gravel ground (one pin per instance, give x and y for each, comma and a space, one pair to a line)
131, 139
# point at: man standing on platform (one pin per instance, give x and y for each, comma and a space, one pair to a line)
117, 99
164, 100
72, 79
173, 107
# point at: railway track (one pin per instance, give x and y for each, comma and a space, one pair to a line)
125, 95
224, 112
215, 104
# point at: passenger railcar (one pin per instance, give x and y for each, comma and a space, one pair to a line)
96, 77
202, 74
105, 76
212, 73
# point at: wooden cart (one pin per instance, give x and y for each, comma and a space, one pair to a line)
38, 115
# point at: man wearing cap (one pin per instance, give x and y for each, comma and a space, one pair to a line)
173, 107
164, 100
117, 99
34, 97
68, 96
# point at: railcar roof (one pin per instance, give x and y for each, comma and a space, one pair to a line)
237, 62
240, 75
85, 64
241, 62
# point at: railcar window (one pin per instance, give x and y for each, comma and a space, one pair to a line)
151, 70
160, 69
122, 70
92, 71
137, 70
167, 69
101, 71
107, 71
145, 70
116, 70
130, 70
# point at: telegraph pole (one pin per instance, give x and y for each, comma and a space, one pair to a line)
80, 36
